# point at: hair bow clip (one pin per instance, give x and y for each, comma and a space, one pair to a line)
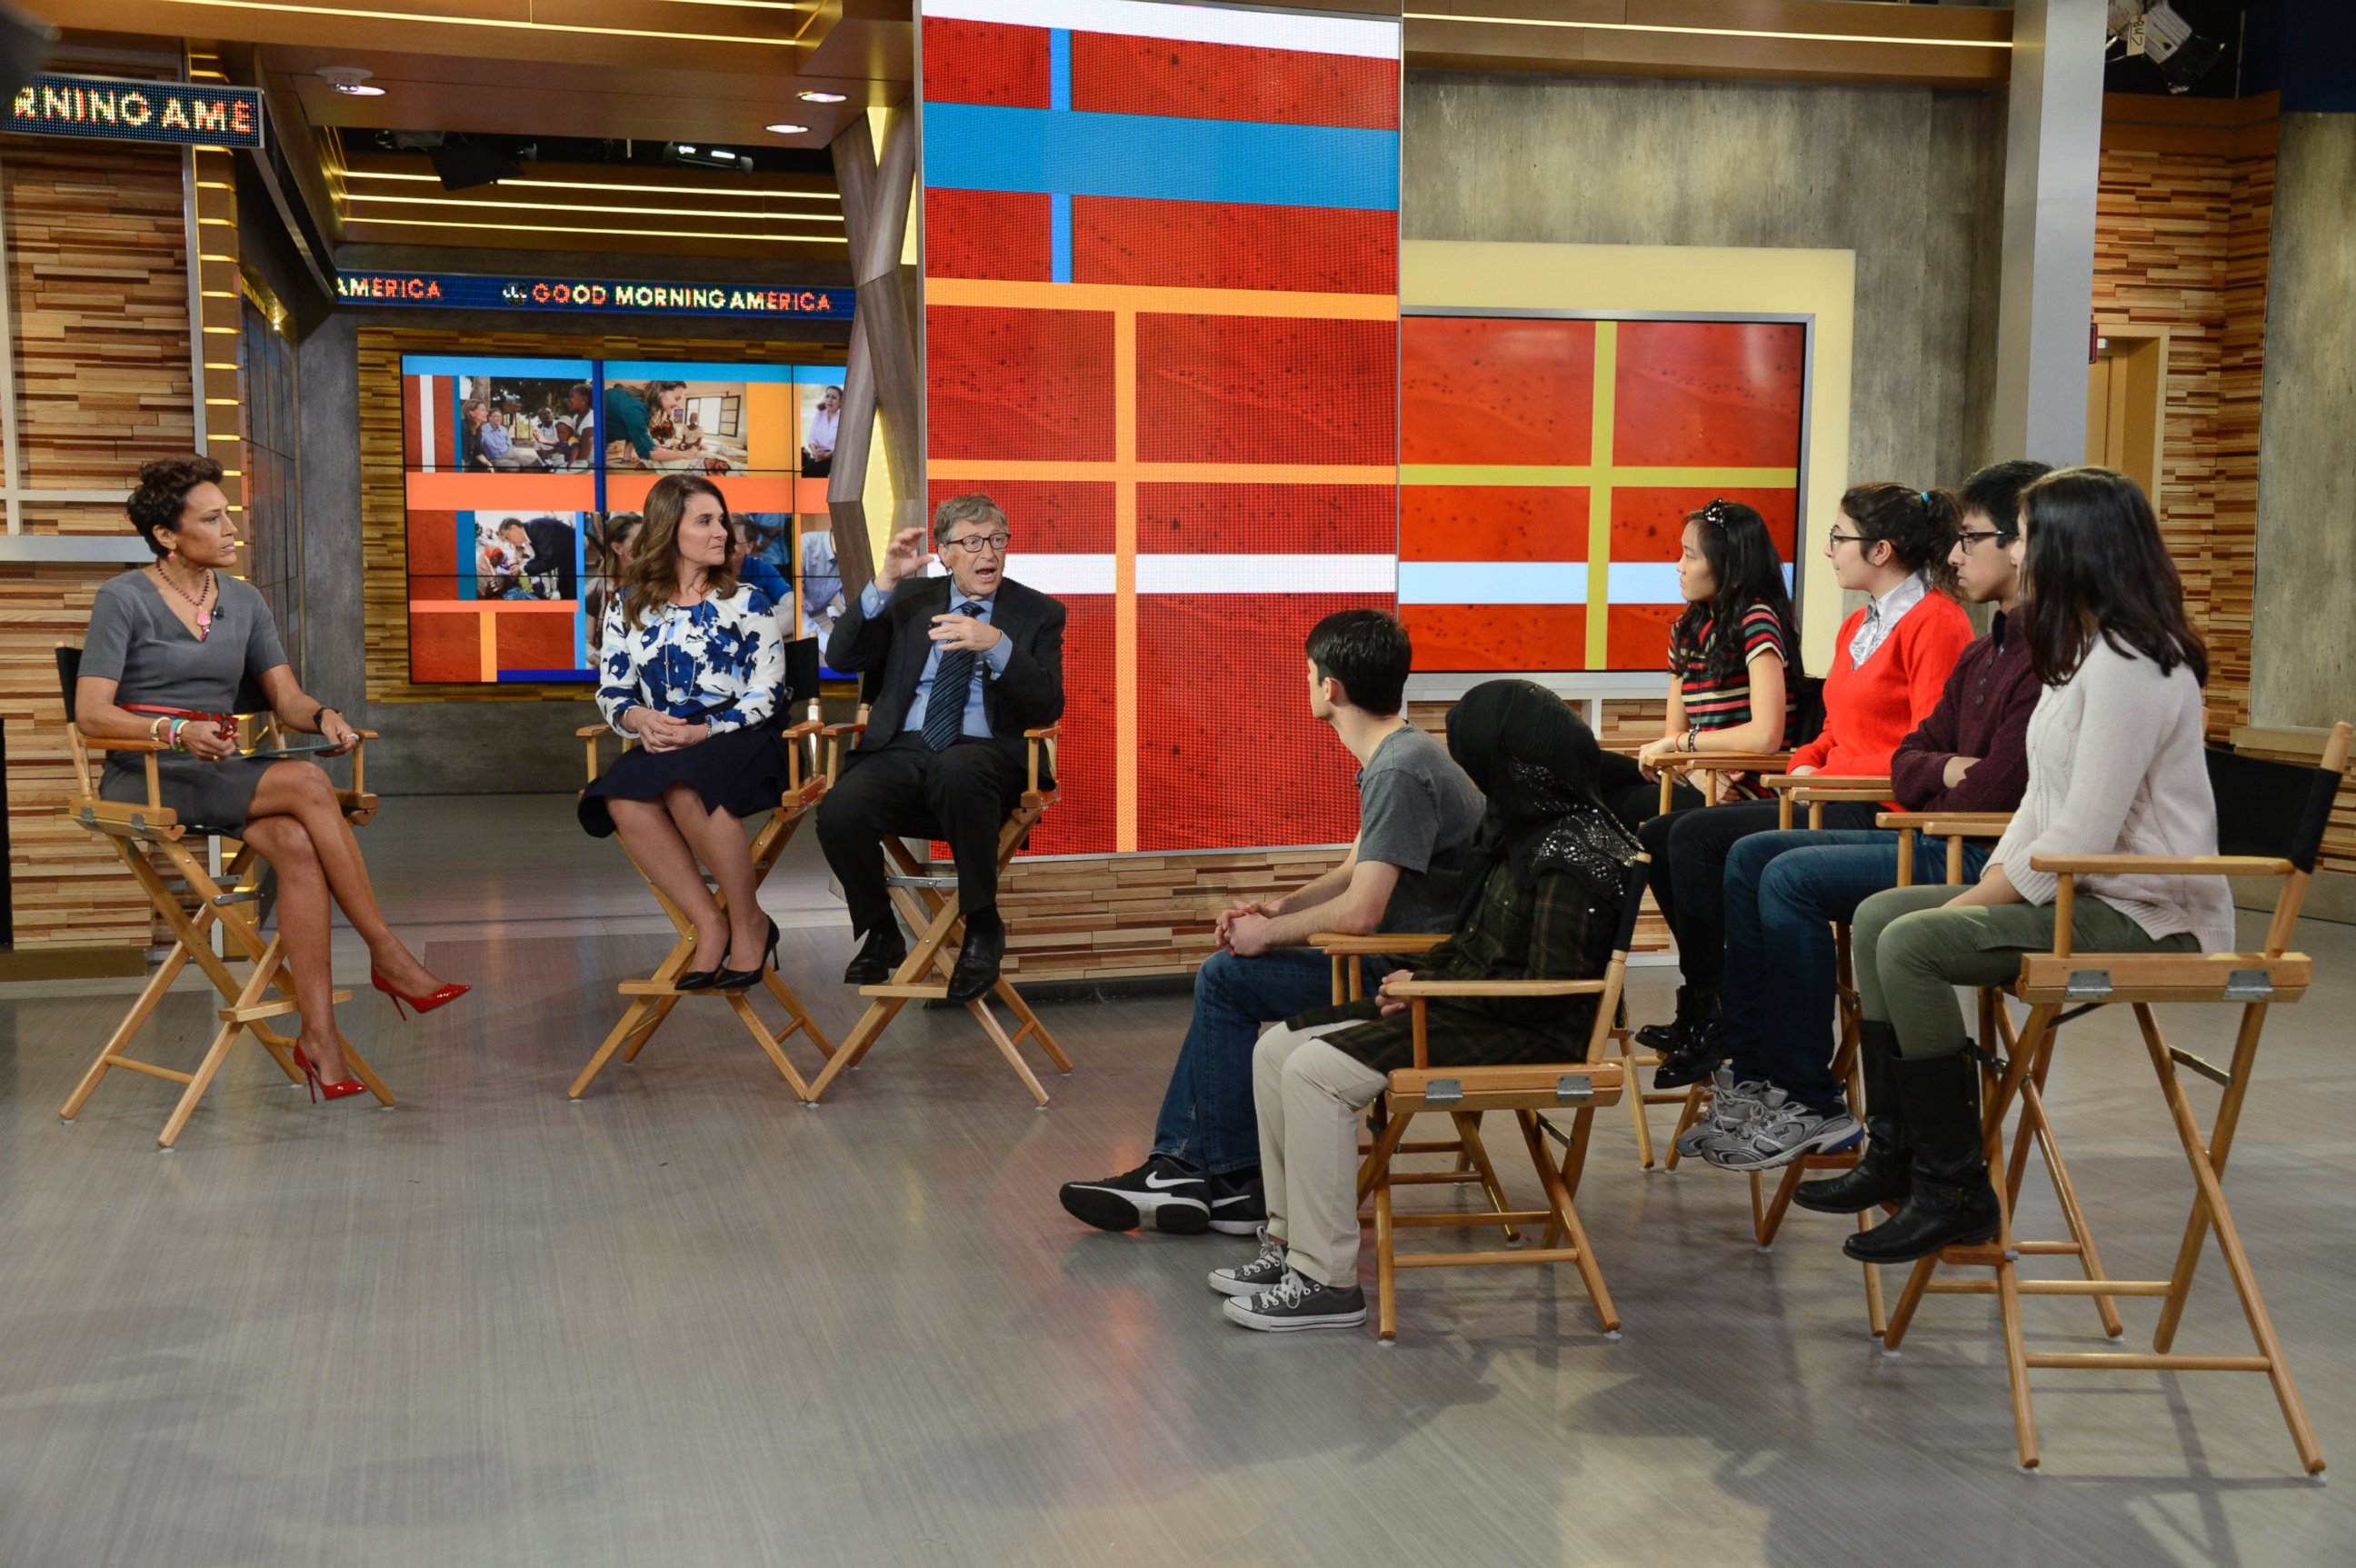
1715, 512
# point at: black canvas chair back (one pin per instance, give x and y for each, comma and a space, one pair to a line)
801, 676
249, 699
1808, 713
2270, 807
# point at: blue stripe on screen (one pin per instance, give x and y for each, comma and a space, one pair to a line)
986, 147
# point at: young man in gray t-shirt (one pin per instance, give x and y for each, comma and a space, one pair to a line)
1418, 813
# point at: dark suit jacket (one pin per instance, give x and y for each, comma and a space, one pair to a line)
897, 642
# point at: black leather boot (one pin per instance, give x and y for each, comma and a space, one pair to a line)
1699, 1048
1882, 1173
1663, 1037
1953, 1203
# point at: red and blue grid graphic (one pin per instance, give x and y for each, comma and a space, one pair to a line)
1161, 276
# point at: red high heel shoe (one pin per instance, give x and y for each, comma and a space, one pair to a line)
320, 1088
442, 997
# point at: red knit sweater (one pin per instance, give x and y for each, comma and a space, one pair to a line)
1867, 712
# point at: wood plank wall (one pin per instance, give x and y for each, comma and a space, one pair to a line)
384, 518
99, 286
2180, 241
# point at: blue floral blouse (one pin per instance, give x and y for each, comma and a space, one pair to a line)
720, 661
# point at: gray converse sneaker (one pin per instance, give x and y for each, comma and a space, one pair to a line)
1732, 1107
1265, 1271
1782, 1132
1298, 1303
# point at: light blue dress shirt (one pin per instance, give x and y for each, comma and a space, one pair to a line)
871, 605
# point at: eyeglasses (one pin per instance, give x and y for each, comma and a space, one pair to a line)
1969, 537
973, 543
1838, 537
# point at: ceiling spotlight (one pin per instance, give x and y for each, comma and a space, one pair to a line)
350, 80
822, 98
705, 158
2154, 30
787, 130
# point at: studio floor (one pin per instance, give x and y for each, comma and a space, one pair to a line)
687, 1322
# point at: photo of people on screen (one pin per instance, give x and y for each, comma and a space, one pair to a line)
695, 427
821, 417
510, 424
526, 557
822, 600
607, 545
765, 553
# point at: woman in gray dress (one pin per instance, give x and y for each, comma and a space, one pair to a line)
176, 639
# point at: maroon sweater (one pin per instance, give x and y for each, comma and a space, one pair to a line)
1984, 713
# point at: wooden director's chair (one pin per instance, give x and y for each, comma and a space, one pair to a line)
929, 905
136, 830
652, 999
1956, 828
1347, 954
1703, 770
1464, 1093
2272, 819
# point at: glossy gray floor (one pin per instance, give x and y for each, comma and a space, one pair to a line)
685, 1322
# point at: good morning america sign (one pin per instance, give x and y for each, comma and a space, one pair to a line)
469, 291
178, 113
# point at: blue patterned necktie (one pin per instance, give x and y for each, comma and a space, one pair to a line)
945, 708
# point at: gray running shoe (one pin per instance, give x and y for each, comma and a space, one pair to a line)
1265, 1271
1783, 1130
1732, 1107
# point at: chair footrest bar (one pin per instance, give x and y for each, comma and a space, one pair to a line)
1478, 1260
666, 988
279, 1009
151, 1070
2129, 1360
1433, 1179
2051, 1287
937, 990
1481, 1220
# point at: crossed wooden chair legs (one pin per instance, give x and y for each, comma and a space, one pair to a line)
2026, 1060
248, 1003
652, 999
929, 905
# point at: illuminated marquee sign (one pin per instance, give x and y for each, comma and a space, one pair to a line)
466, 291
177, 113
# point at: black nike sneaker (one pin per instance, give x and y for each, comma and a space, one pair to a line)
1238, 1203
1162, 1194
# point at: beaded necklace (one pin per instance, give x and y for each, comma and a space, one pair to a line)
204, 616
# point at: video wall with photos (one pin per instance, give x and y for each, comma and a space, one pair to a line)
525, 479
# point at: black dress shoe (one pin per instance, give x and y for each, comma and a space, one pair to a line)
883, 952
977, 960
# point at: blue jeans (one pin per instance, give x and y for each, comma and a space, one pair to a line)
1207, 1118
1784, 893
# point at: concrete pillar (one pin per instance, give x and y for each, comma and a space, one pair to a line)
2303, 609
2052, 165
327, 373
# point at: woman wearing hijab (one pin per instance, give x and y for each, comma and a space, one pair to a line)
1542, 903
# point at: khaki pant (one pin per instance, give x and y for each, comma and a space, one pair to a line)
1310, 1098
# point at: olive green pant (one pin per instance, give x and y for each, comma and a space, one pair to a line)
1911, 952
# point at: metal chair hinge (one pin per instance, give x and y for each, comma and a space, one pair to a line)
1444, 1091
920, 882
88, 818
1573, 1089
2249, 985
246, 896
2088, 984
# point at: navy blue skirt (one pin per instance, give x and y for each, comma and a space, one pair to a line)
740, 772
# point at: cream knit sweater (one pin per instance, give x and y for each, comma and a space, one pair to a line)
2115, 766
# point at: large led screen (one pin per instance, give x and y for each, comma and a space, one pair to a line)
1161, 254
524, 479
1547, 465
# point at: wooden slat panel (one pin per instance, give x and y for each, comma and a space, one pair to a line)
2180, 241
98, 277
